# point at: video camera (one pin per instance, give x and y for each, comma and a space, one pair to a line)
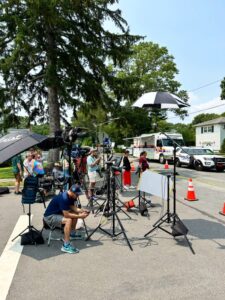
70, 134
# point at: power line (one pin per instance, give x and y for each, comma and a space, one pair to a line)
205, 85
194, 112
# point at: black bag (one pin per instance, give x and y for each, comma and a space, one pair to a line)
32, 237
179, 228
143, 209
4, 190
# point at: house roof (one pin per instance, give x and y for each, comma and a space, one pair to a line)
220, 120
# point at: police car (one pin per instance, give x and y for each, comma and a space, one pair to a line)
199, 158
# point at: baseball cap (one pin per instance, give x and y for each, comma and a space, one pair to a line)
76, 189
93, 149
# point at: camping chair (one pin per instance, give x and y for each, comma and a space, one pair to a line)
50, 236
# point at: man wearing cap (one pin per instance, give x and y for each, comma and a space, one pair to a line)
61, 210
93, 165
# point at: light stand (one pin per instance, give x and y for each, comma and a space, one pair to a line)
32, 231
178, 227
110, 210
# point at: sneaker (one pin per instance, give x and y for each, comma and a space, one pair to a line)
126, 188
69, 249
132, 187
93, 198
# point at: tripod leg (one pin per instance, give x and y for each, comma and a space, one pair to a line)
159, 223
20, 233
189, 244
120, 209
123, 231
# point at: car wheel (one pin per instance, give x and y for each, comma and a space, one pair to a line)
198, 166
161, 159
219, 170
178, 164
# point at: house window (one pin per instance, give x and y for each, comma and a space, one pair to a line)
207, 129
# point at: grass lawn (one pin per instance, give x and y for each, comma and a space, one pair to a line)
7, 183
6, 173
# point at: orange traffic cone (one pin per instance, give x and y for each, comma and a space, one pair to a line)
190, 193
132, 168
223, 210
166, 166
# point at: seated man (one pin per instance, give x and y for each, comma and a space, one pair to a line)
61, 210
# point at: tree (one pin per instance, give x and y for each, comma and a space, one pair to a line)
54, 53
204, 117
149, 68
222, 85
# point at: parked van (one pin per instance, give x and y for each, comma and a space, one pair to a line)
158, 146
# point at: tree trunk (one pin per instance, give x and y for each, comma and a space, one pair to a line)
53, 103
54, 119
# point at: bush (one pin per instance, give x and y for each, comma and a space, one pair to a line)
222, 150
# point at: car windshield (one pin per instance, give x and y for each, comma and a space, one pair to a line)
192, 151
169, 143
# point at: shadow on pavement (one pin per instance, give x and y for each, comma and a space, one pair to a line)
206, 230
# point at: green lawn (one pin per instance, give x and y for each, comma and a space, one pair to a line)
6, 173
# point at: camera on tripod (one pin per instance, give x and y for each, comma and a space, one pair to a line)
70, 134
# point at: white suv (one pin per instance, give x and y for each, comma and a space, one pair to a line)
199, 158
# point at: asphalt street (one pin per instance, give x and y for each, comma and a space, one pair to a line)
159, 267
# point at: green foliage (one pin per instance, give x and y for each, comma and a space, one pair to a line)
222, 86
204, 117
6, 173
53, 56
222, 150
41, 129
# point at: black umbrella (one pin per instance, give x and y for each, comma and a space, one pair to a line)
163, 100
17, 142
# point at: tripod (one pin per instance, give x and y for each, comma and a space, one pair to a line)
178, 227
32, 231
109, 210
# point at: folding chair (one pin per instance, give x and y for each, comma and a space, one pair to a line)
51, 237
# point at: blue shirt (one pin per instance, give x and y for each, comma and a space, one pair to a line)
90, 161
58, 204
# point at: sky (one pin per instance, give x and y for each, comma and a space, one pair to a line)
193, 32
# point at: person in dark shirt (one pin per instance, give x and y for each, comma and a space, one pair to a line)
17, 168
61, 210
143, 163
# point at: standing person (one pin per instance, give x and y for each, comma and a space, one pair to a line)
38, 169
17, 168
93, 165
127, 171
28, 165
66, 173
143, 163
61, 210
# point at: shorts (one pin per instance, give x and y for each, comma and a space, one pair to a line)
92, 176
54, 221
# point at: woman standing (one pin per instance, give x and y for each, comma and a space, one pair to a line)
127, 171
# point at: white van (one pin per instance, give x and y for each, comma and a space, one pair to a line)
158, 146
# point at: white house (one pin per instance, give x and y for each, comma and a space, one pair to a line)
210, 133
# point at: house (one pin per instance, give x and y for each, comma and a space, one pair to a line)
210, 133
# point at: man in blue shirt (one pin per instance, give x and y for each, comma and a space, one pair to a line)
61, 210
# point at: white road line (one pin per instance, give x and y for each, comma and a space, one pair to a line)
10, 257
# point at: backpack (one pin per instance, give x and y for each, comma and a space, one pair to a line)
143, 209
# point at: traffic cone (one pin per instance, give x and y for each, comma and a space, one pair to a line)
132, 168
223, 210
166, 166
190, 193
